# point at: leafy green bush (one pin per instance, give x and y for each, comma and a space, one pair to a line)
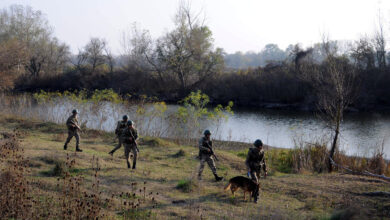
194, 109
106, 95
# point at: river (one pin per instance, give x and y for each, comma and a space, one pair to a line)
361, 133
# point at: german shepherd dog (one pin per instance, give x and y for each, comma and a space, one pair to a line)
245, 184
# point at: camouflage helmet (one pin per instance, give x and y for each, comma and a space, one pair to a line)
258, 143
75, 111
207, 132
130, 123
125, 117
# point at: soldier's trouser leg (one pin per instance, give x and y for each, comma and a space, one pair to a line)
255, 175
201, 167
127, 154
70, 135
117, 146
210, 162
135, 154
77, 136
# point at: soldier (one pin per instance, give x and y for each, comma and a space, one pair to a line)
256, 160
129, 138
120, 127
205, 155
73, 130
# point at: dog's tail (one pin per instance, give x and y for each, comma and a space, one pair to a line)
227, 187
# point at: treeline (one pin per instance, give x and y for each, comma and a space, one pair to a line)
271, 53
184, 60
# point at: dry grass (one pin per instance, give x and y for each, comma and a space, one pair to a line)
114, 192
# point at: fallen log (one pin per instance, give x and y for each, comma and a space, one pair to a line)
364, 173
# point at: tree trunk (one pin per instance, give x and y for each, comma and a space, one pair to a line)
334, 144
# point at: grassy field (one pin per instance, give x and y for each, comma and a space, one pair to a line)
165, 180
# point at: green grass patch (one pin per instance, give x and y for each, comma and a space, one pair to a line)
156, 142
180, 153
186, 186
344, 214
242, 154
222, 167
137, 214
48, 160
280, 160
58, 170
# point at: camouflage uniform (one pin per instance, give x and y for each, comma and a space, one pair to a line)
255, 161
120, 127
206, 156
72, 123
129, 136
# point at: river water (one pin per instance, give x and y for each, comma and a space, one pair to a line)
361, 133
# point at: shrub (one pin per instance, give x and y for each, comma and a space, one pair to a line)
280, 160
180, 153
186, 185
377, 164
348, 213
59, 169
14, 188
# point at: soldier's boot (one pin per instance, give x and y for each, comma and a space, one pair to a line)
111, 153
256, 194
128, 164
65, 146
134, 163
78, 149
218, 178
256, 197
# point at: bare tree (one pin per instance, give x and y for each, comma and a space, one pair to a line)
363, 54
380, 44
187, 52
110, 59
184, 57
58, 56
334, 82
136, 47
12, 54
80, 60
94, 53
30, 28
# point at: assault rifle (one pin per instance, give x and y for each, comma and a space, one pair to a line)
135, 141
76, 126
211, 151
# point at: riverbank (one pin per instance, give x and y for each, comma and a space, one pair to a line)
167, 171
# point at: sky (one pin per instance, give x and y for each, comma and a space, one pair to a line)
237, 25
